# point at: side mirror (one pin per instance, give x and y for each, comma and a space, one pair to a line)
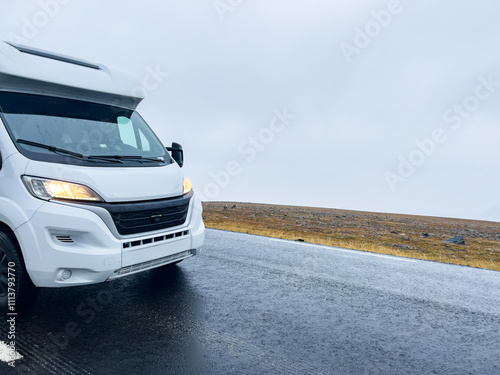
177, 153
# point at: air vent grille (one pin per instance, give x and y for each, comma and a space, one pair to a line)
147, 241
64, 238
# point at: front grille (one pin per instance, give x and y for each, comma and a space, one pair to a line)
149, 220
141, 217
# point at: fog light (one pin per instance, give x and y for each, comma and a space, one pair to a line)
66, 274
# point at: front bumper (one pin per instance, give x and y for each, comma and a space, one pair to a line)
68, 237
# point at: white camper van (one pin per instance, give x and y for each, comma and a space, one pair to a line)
88, 193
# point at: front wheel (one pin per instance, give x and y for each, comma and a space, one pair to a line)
16, 289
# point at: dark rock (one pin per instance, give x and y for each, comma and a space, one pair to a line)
424, 235
234, 206
457, 240
299, 240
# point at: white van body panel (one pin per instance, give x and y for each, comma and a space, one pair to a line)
96, 255
17, 206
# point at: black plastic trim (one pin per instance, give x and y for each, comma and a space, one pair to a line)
147, 216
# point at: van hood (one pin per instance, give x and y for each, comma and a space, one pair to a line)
116, 184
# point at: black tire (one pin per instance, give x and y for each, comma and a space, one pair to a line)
12, 272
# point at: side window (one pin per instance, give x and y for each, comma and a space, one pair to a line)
126, 129
144, 142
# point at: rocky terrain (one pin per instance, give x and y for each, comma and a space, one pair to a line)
465, 242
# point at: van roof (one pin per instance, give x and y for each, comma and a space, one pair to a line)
29, 70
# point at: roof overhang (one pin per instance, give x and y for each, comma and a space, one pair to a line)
27, 70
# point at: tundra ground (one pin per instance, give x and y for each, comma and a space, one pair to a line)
409, 236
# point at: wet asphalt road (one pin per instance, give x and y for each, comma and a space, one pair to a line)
253, 305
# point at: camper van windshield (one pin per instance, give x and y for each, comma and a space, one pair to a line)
82, 133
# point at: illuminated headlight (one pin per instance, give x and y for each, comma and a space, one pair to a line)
53, 189
186, 186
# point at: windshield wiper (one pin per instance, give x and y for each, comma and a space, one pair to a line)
119, 158
104, 158
62, 151
94, 158
141, 158
57, 150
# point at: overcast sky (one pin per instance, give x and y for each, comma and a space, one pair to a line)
389, 106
